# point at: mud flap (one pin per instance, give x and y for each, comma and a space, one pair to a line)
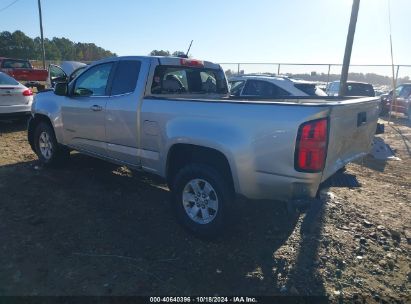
380, 129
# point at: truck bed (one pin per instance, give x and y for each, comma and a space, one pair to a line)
261, 136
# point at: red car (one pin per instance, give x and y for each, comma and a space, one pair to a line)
23, 72
402, 102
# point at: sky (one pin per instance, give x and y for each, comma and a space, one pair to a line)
301, 31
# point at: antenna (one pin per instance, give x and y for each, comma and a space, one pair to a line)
189, 48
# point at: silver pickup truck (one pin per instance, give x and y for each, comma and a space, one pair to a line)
173, 117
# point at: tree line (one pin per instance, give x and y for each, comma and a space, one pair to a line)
372, 78
18, 45
166, 53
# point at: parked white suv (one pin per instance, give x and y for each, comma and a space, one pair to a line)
266, 86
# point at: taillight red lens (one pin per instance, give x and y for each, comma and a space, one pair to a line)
311, 148
27, 92
191, 62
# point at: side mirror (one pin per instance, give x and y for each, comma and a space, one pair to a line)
61, 89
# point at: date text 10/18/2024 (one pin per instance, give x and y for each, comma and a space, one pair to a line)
203, 300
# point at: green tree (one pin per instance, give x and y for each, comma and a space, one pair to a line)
159, 53
18, 45
166, 53
178, 53
5, 43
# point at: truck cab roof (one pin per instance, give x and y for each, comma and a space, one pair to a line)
165, 60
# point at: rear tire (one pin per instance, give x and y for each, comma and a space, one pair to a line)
201, 200
49, 152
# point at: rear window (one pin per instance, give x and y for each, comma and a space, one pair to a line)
360, 89
15, 64
310, 89
264, 89
188, 80
236, 86
7, 80
307, 88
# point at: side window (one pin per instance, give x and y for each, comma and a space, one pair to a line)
93, 82
125, 77
263, 89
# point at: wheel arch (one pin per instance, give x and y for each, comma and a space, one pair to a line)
181, 154
34, 121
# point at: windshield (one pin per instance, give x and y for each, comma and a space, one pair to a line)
16, 64
188, 80
7, 80
77, 72
360, 89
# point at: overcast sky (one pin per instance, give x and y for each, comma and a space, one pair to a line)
306, 31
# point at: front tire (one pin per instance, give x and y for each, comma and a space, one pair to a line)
49, 152
201, 199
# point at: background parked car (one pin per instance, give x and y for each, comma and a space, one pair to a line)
23, 71
65, 72
266, 86
353, 89
15, 98
402, 102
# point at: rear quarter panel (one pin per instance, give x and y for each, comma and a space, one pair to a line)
257, 139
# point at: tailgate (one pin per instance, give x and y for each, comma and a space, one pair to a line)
352, 128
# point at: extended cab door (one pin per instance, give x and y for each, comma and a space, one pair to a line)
83, 111
122, 112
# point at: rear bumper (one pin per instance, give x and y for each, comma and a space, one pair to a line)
268, 186
15, 110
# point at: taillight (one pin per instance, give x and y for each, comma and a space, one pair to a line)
311, 146
192, 62
27, 92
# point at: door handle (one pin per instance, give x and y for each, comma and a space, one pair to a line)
96, 108
361, 118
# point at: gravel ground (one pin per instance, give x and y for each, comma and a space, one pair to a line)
92, 228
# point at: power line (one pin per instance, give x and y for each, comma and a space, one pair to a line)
7, 6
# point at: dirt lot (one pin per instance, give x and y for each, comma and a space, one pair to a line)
92, 228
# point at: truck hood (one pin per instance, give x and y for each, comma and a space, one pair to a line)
69, 66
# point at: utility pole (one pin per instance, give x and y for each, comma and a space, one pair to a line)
43, 51
348, 47
394, 78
